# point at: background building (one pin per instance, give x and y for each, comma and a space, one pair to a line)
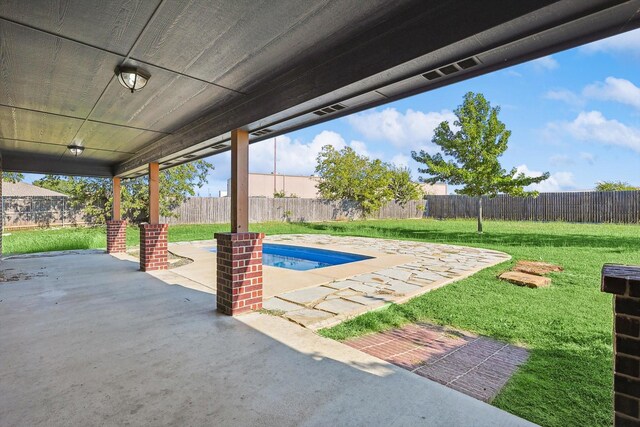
266, 184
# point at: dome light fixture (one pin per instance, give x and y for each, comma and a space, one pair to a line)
75, 149
133, 78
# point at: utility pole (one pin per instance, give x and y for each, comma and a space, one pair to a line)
275, 168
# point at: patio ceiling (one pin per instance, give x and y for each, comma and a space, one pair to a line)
268, 67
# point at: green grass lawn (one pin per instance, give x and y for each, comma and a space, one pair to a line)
567, 327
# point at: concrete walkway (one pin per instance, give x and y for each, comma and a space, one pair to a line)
398, 271
89, 340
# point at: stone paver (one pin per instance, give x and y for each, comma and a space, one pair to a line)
476, 366
433, 266
277, 304
306, 317
339, 306
307, 296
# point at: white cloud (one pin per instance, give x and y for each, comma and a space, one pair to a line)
593, 126
560, 160
400, 160
545, 63
628, 42
294, 157
413, 129
558, 181
513, 73
587, 157
614, 89
565, 96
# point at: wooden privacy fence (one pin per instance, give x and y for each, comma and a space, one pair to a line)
40, 211
208, 210
588, 206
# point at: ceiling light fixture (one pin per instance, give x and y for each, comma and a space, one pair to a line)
75, 149
133, 78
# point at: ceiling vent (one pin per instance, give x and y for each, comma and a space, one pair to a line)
447, 70
329, 110
468, 63
189, 156
261, 132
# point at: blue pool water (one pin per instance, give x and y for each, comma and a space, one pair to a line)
302, 259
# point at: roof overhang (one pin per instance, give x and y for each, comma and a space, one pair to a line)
268, 70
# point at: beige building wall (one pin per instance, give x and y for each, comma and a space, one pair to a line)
264, 185
439, 189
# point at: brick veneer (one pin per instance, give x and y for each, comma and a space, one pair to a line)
153, 246
239, 272
624, 283
116, 236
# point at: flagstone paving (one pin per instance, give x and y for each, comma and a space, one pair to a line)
474, 365
434, 266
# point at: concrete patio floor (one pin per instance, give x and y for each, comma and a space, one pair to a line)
86, 339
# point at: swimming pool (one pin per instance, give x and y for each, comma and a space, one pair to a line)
301, 258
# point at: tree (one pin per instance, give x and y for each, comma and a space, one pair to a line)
403, 188
474, 147
12, 177
94, 195
345, 175
615, 186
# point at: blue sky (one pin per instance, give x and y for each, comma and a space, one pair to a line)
575, 114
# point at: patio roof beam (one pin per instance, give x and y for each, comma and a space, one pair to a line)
34, 163
239, 181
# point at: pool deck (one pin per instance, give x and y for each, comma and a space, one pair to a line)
87, 339
323, 297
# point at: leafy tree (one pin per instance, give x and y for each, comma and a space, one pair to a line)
615, 186
94, 195
345, 175
474, 147
403, 188
12, 177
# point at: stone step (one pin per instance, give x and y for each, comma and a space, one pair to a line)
525, 279
536, 267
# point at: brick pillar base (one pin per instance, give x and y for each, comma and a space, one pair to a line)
239, 273
116, 236
153, 246
624, 283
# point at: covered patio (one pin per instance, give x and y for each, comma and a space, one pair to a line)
122, 89
124, 347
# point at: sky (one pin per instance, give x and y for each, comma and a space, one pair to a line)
575, 114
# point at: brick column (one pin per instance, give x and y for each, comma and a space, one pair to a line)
153, 246
624, 283
116, 236
239, 272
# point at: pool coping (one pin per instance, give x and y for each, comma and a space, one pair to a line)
281, 284
278, 280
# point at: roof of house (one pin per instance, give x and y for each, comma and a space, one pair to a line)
22, 189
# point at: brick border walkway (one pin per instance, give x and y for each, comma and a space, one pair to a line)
474, 365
